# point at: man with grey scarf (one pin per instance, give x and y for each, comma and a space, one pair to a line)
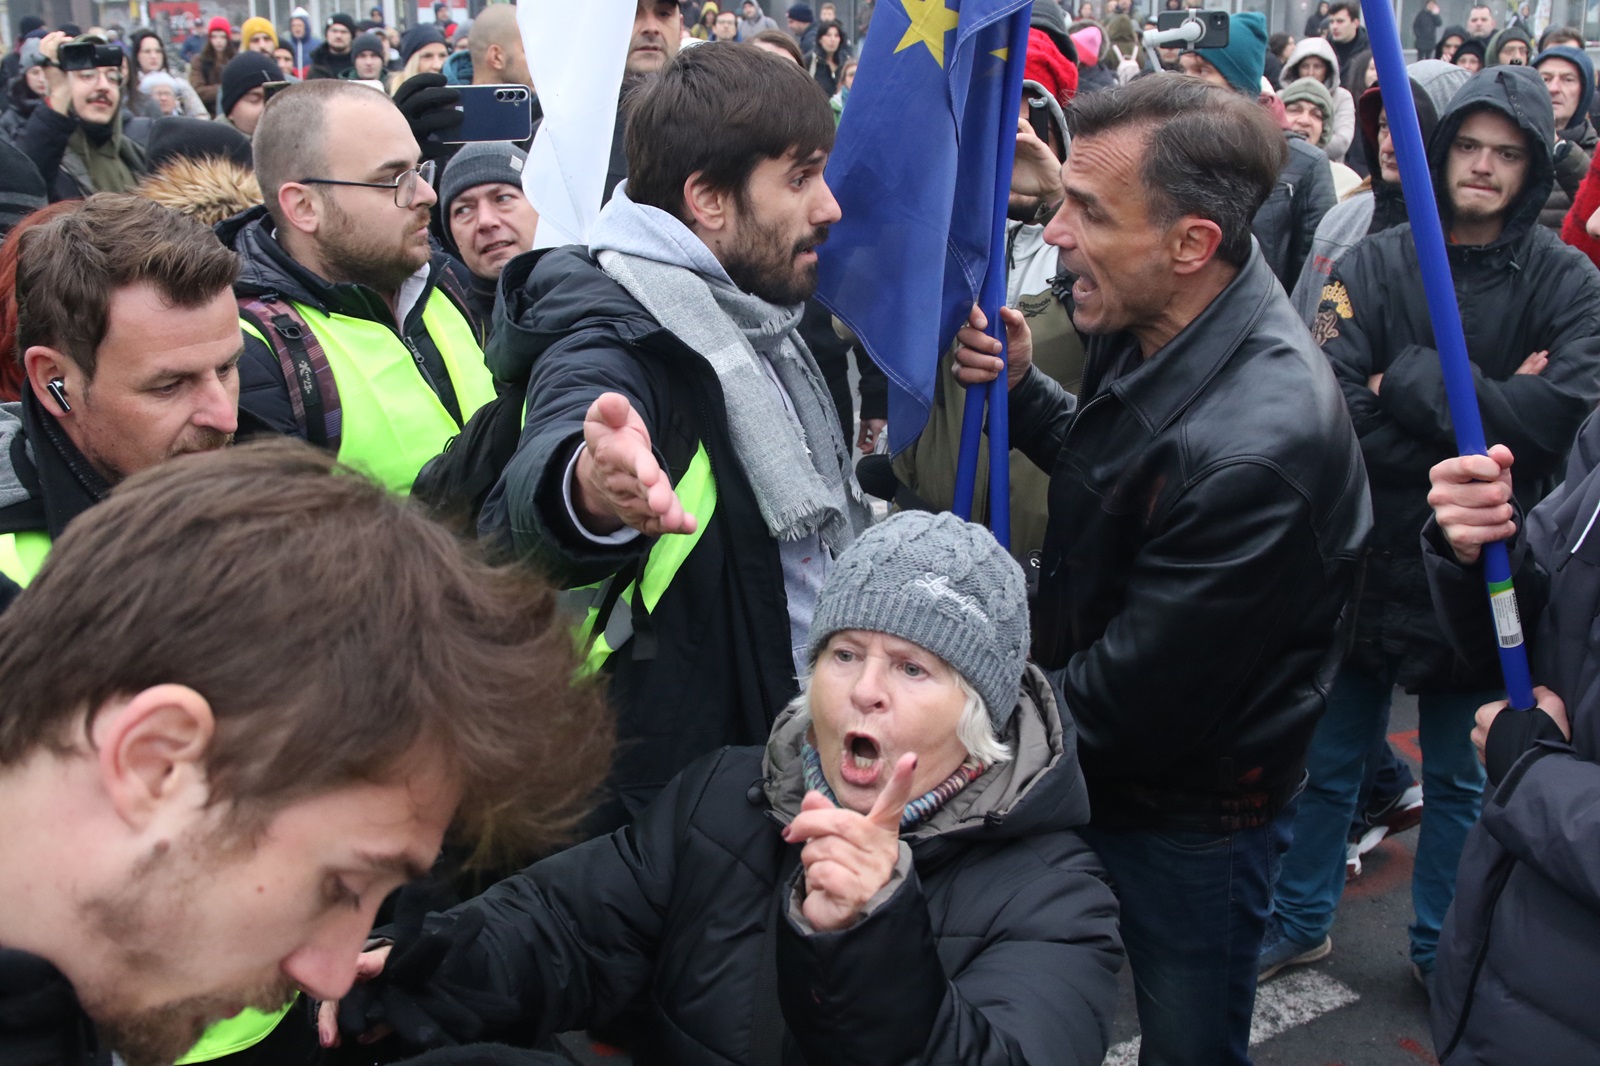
76, 140
681, 466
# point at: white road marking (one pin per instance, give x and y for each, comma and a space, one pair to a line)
1281, 1005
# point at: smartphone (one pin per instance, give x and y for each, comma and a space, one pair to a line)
1213, 26
493, 113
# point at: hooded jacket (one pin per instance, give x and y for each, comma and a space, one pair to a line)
45, 139
1383, 203
1572, 162
210, 188
1286, 223
1520, 946
1523, 293
45, 481
1458, 32
1207, 510
326, 63
1497, 41
996, 943
1343, 123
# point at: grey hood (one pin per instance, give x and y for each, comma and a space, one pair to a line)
1312, 46
1041, 789
12, 490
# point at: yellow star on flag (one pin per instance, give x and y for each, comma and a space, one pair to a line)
930, 21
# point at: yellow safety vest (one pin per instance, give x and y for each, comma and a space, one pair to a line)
392, 421
697, 490
236, 1034
22, 554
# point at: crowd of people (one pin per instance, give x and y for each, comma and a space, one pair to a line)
416, 646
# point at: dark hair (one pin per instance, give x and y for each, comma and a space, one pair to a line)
69, 267
136, 41
339, 635
1481, 7
719, 110
782, 40
1561, 33
844, 38
1349, 7
1278, 42
1208, 151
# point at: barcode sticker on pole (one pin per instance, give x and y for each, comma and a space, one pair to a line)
1507, 622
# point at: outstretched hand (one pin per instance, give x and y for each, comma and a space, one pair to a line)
849, 857
618, 481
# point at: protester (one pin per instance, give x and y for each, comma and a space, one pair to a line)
1469, 56
1314, 21
129, 341
283, 55
367, 54
423, 50
1348, 38
803, 27
705, 25
905, 856
1480, 22
243, 94
779, 44
29, 27
1510, 47
497, 51
1516, 953
827, 62
301, 43
725, 28
150, 56
241, 788
342, 249
1568, 74
1452, 39
205, 73
1309, 107
1530, 311
77, 142
1123, 54
258, 35
27, 92
1425, 29
195, 138
709, 253
1314, 58
1228, 563
332, 57
1287, 222
752, 20
1382, 204
487, 215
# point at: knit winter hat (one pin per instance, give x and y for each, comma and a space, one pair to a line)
480, 164
801, 13
419, 37
341, 19
244, 72
155, 79
195, 138
1088, 41
1046, 67
1244, 59
253, 26
942, 584
369, 42
219, 24
1313, 90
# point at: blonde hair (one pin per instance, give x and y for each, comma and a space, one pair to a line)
974, 729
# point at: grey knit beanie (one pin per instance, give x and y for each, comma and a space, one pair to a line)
480, 164
944, 585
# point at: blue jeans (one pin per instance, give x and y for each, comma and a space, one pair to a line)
1194, 909
1312, 880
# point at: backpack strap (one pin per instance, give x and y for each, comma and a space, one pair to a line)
450, 282
313, 393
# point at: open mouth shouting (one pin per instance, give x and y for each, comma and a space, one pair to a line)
861, 762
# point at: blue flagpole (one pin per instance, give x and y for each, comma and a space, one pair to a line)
991, 298
1428, 235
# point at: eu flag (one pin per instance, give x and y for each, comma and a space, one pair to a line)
914, 171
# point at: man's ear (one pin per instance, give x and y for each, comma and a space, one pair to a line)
709, 208
494, 57
1193, 243
299, 207
43, 365
150, 750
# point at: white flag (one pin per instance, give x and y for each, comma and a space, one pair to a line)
576, 55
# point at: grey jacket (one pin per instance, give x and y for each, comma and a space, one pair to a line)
1286, 223
1519, 953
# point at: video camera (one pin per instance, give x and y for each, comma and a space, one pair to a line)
1190, 29
86, 55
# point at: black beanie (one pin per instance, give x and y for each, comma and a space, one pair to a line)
28, 23
419, 37
22, 190
195, 138
244, 72
369, 42
341, 19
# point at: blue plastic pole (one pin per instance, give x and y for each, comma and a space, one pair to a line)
1428, 235
991, 298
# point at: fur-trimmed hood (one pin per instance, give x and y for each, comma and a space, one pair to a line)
208, 189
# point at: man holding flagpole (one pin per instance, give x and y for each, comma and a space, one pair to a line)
1208, 507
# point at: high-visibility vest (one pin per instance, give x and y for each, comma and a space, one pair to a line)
697, 490
236, 1034
392, 420
22, 554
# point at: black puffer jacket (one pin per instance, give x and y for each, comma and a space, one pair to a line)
997, 945
1524, 293
1207, 510
718, 667
1520, 948
1286, 223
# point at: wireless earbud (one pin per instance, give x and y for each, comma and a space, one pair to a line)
57, 388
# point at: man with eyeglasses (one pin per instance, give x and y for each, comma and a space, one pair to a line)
356, 336
76, 140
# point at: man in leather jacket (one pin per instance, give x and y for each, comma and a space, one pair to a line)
1208, 508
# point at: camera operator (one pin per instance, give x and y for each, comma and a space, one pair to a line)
76, 140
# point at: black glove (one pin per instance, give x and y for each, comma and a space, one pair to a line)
1511, 735
429, 105
414, 995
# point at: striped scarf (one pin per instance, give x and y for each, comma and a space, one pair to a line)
918, 810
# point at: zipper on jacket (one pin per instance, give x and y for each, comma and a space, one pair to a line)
422, 366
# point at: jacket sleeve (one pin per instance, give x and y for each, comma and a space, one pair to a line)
190, 103
1040, 410
1312, 199
1544, 814
1535, 415
1040, 991
207, 89
43, 139
1349, 326
565, 381
1344, 125
1224, 574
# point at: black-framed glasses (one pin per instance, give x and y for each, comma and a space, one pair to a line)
404, 184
